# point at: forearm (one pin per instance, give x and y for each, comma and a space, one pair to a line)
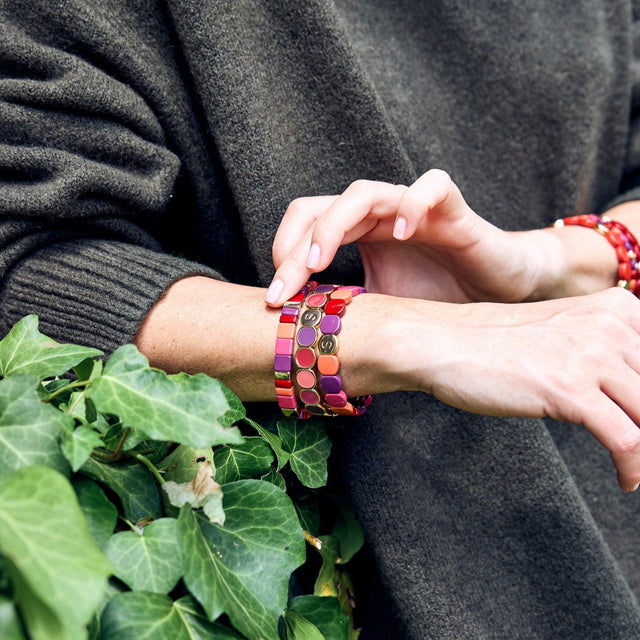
227, 331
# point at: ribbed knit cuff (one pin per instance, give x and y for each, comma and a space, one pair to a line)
91, 292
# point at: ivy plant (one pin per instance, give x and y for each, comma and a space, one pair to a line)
136, 504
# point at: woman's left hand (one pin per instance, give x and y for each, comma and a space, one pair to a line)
421, 241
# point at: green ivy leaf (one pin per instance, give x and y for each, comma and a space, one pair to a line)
114, 587
324, 613
100, 512
133, 484
188, 412
114, 434
308, 509
58, 573
251, 459
139, 615
30, 431
297, 627
275, 442
202, 491
25, 350
308, 447
346, 529
243, 568
236, 409
77, 444
10, 627
88, 369
182, 464
149, 561
276, 478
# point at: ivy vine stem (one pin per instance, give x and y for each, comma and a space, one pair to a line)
147, 463
72, 385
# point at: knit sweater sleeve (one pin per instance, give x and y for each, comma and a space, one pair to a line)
629, 188
86, 173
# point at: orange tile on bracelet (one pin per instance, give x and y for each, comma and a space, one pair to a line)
328, 365
282, 391
342, 294
287, 331
347, 410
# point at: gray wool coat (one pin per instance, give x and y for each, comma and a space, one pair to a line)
142, 141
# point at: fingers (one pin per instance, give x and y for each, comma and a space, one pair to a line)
377, 210
349, 217
616, 431
299, 217
435, 194
314, 228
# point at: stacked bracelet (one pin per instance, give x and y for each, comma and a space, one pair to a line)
621, 239
307, 369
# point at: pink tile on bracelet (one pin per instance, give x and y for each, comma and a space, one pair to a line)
284, 346
336, 399
287, 402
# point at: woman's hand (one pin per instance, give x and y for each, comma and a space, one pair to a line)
421, 241
573, 359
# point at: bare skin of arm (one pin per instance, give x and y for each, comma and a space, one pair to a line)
496, 359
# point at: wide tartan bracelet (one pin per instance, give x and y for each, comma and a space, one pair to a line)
306, 364
621, 239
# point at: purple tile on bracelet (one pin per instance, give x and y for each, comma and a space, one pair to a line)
331, 384
324, 288
330, 324
306, 336
290, 311
282, 363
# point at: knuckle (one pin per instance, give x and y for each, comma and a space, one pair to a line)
626, 444
360, 187
439, 175
298, 207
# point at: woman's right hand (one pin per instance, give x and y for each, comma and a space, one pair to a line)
421, 241
573, 359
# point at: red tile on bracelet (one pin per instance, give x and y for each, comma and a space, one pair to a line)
305, 358
284, 384
335, 307
290, 319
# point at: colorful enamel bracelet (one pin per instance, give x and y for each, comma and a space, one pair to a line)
621, 239
283, 359
310, 384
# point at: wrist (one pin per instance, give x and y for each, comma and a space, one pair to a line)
572, 261
397, 344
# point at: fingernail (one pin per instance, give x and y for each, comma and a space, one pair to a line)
632, 488
274, 291
400, 228
313, 259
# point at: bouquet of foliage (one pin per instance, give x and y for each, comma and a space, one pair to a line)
136, 504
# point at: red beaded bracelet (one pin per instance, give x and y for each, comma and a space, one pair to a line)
306, 369
621, 239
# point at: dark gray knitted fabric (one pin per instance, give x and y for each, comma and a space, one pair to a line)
142, 141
